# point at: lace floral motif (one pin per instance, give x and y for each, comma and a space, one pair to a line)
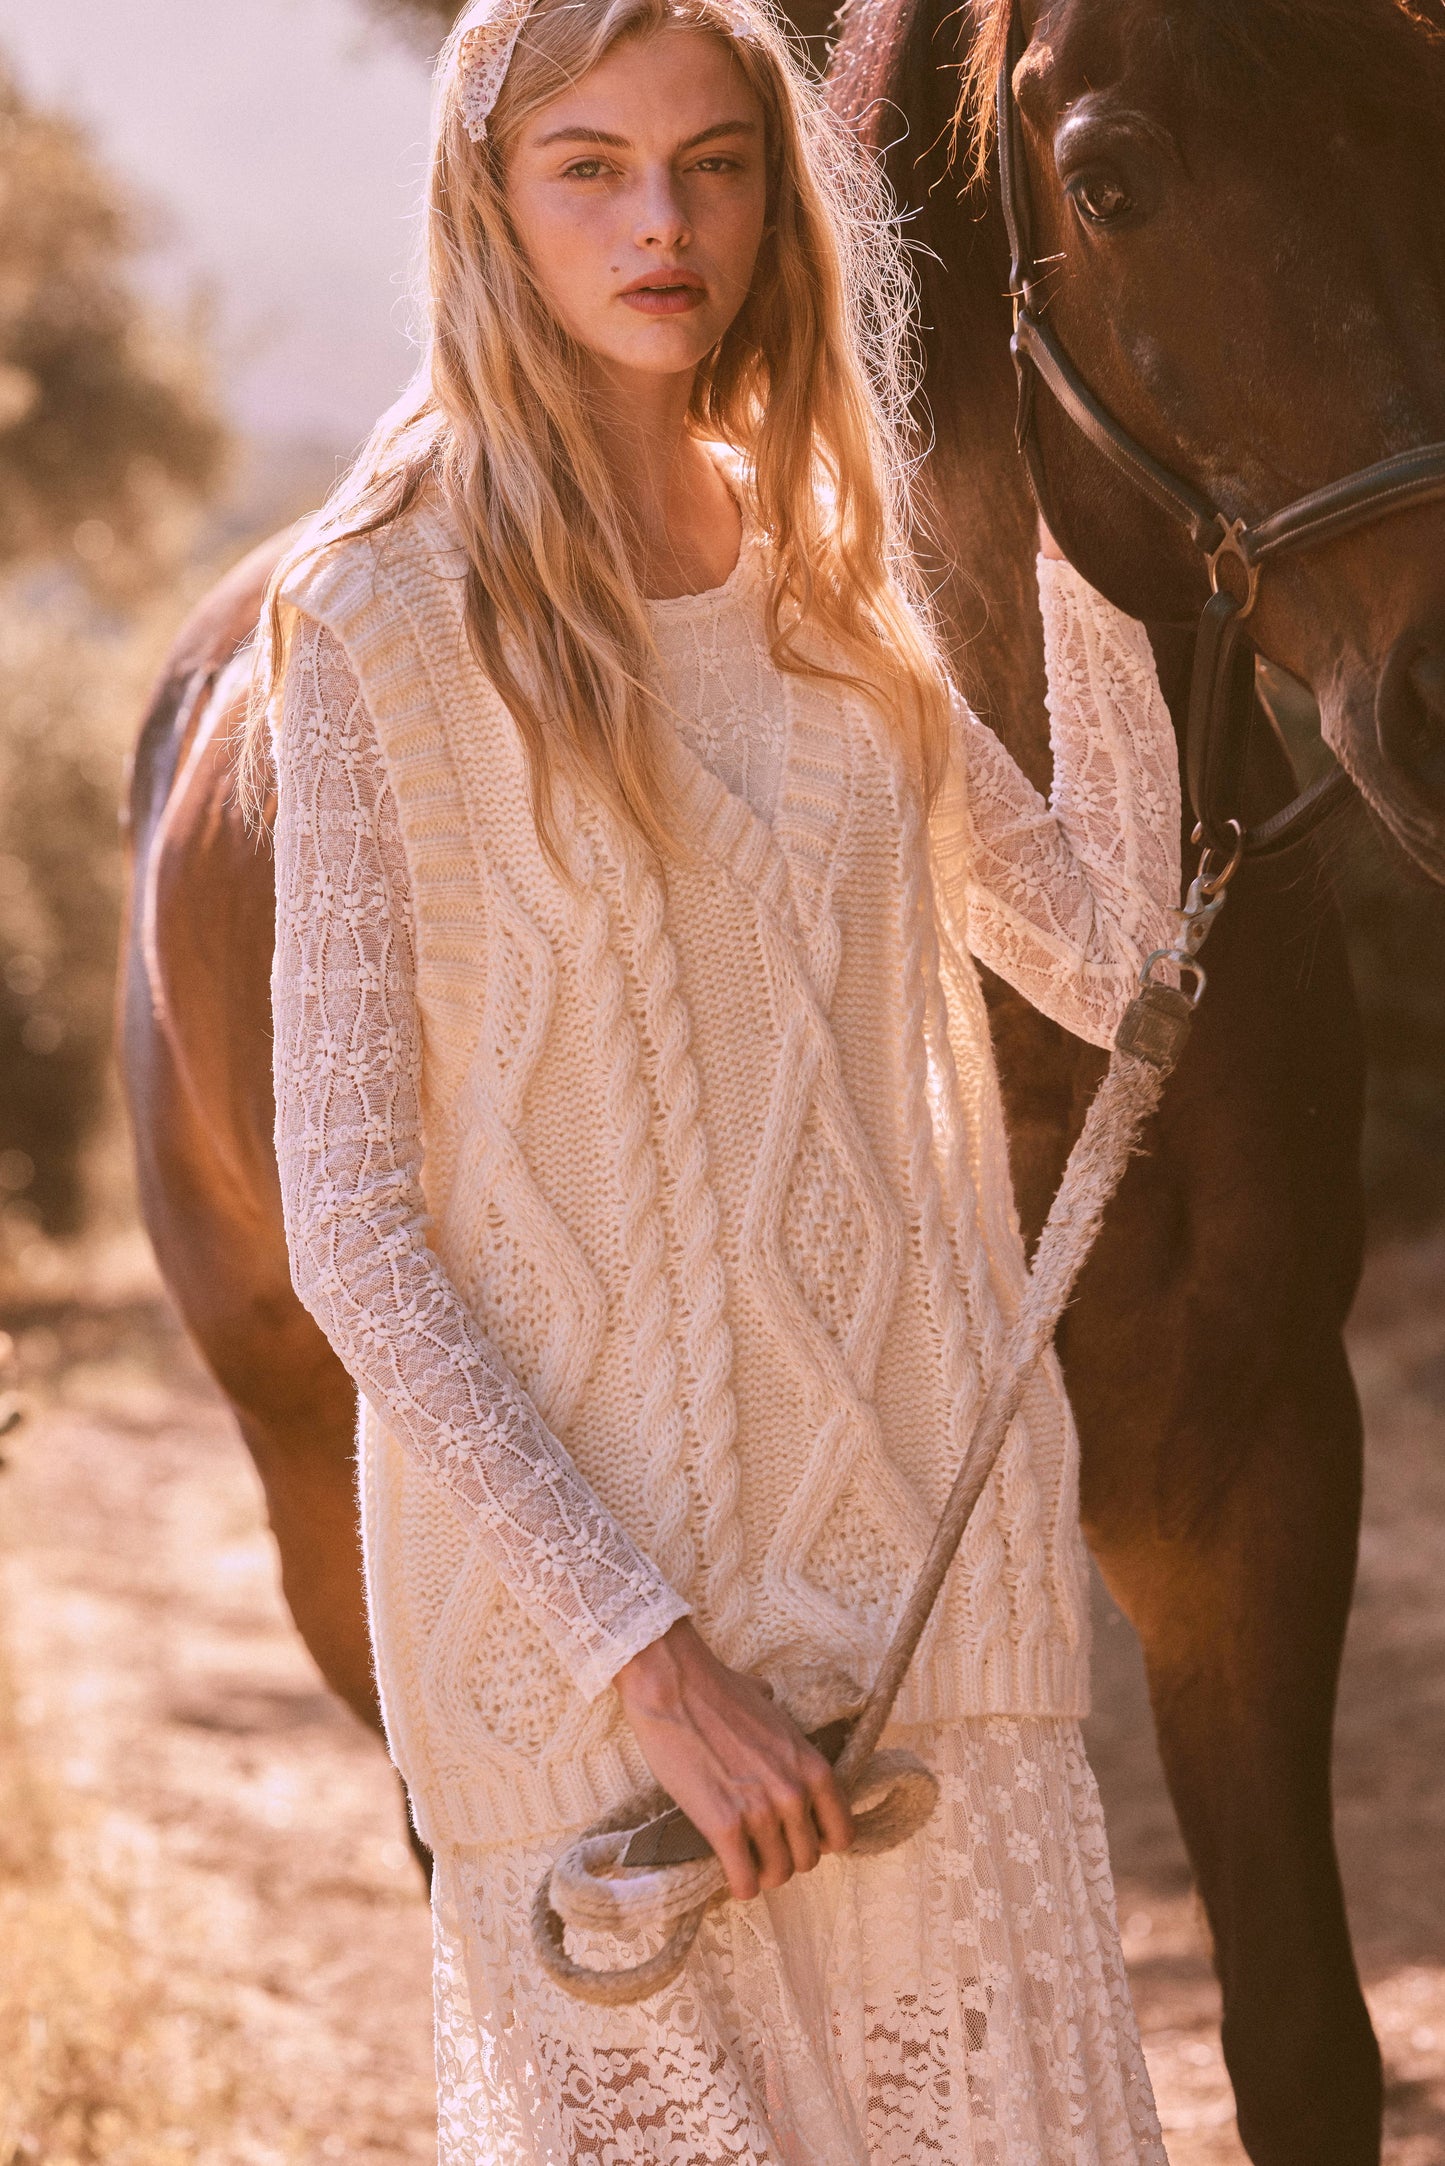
348, 1062
486, 40
724, 689
961, 2000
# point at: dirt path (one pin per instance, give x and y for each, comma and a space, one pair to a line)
213, 1945
218, 1859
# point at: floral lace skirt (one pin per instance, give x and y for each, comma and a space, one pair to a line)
961, 2000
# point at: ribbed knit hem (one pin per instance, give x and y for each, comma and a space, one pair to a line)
487, 1807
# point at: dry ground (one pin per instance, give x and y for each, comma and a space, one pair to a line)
213, 1945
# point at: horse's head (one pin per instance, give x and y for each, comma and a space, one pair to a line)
1237, 205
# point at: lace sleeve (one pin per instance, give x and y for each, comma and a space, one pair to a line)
347, 1056
1064, 899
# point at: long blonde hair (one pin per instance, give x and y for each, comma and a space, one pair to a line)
810, 387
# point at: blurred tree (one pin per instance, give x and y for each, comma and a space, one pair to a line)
106, 428
108, 442
425, 22
61, 767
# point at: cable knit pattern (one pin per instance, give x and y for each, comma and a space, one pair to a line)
664, 1219
707, 1341
664, 1222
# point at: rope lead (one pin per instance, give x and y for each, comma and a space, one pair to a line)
592, 1886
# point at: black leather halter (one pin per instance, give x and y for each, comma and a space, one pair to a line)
1221, 694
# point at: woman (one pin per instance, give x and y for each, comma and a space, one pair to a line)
641, 1146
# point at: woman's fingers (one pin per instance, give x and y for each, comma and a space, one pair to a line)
734, 1853
770, 1844
785, 1836
717, 1741
795, 1811
830, 1811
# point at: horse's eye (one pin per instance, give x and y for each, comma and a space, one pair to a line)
1101, 198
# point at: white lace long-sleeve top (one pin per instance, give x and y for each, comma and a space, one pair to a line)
1061, 897
1064, 898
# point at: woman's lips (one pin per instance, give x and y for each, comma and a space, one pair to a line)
665, 296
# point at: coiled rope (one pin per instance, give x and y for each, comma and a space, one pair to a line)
592, 1886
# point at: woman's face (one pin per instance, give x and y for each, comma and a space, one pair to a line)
639, 196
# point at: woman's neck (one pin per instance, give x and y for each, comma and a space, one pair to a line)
687, 522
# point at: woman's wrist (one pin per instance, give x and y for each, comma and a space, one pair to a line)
651, 1681
765, 1800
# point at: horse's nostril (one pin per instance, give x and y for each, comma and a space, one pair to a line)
1410, 717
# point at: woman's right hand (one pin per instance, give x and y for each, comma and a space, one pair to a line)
741, 1770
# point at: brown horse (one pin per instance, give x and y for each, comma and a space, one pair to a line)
195, 1043
1221, 1436
1239, 207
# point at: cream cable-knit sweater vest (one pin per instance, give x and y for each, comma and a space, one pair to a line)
718, 1162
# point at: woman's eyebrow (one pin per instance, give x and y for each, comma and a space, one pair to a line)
620, 142
583, 135
721, 127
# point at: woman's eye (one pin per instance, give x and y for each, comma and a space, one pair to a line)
585, 169
1101, 198
717, 164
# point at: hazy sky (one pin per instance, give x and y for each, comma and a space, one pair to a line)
281, 144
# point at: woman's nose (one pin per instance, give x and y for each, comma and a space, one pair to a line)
662, 220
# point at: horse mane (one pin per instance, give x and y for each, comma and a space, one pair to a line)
1379, 56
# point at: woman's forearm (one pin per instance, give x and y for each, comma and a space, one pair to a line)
349, 1150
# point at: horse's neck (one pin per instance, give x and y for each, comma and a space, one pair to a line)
979, 502
891, 81
980, 552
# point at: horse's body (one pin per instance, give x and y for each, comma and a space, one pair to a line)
1221, 1463
1220, 1430
195, 1032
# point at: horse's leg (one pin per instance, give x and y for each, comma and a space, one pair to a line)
296, 1409
300, 1430
306, 1471
1241, 1611
1220, 1484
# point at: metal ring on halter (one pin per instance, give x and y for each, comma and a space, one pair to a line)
1214, 883
1234, 542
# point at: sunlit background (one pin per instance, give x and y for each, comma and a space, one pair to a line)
274, 149
213, 1943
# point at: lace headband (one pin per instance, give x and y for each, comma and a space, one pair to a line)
485, 40
482, 46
